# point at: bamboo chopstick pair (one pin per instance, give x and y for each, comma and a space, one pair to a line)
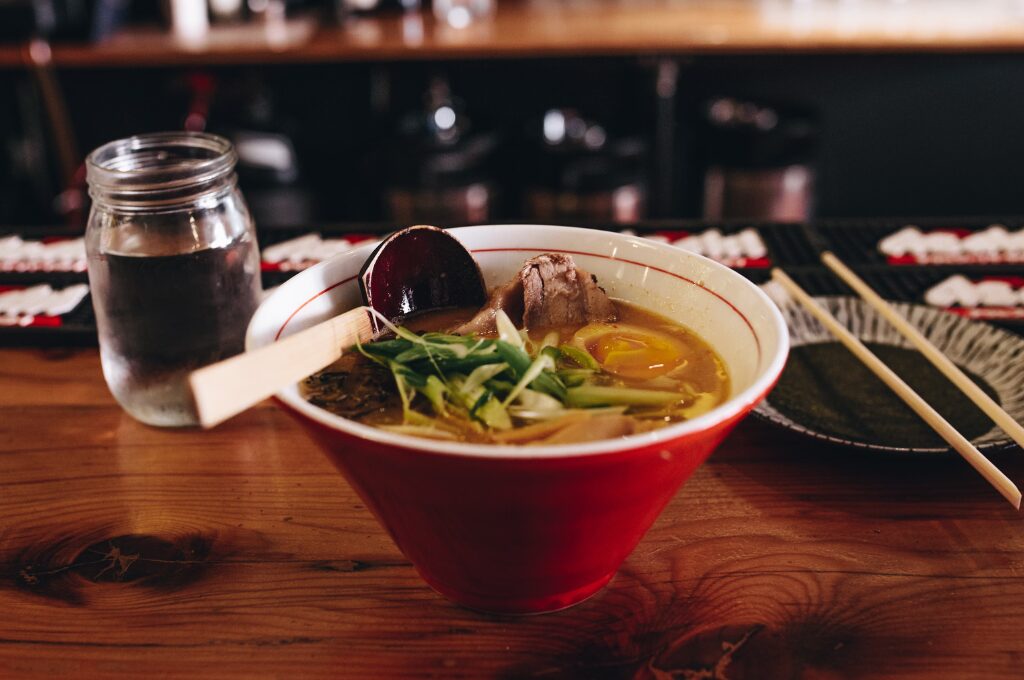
970, 453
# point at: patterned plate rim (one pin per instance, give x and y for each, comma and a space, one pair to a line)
908, 309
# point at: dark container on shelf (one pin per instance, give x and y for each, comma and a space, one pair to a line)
580, 174
268, 169
760, 162
439, 169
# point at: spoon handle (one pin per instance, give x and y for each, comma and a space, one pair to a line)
229, 387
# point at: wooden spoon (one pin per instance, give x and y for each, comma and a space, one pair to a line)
414, 270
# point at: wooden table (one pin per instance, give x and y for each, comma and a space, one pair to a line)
128, 551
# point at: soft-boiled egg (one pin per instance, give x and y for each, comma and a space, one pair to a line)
631, 351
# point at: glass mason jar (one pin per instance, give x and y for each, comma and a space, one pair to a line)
173, 266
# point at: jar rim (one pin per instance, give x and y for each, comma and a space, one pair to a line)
160, 161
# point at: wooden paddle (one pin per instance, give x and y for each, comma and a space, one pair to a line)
414, 270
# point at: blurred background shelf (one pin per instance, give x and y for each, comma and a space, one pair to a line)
584, 110
524, 29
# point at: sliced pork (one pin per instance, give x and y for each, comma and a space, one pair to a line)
549, 291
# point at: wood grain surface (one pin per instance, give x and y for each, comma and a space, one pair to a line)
128, 551
556, 28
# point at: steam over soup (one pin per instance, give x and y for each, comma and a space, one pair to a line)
549, 360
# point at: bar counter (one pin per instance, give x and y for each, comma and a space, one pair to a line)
239, 552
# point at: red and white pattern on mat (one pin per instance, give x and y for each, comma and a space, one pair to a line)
305, 251
38, 305
744, 249
990, 297
55, 254
994, 245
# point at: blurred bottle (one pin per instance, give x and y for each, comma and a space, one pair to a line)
190, 21
29, 177
347, 9
581, 174
227, 10
760, 161
244, 110
463, 13
438, 166
61, 19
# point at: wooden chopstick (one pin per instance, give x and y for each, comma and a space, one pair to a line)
993, 410
971, 454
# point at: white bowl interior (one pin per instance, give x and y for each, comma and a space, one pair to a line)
730, 313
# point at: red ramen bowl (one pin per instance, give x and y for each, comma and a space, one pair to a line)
534, 529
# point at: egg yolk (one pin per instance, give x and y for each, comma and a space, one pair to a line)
631, 351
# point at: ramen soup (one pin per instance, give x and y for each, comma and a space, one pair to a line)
539, 365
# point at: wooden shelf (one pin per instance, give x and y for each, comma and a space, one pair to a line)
542, 28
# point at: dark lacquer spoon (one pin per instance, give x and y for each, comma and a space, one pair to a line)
414, 270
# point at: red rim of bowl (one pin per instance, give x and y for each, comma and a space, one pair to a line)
735, 405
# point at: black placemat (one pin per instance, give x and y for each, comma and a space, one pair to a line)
791, 246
